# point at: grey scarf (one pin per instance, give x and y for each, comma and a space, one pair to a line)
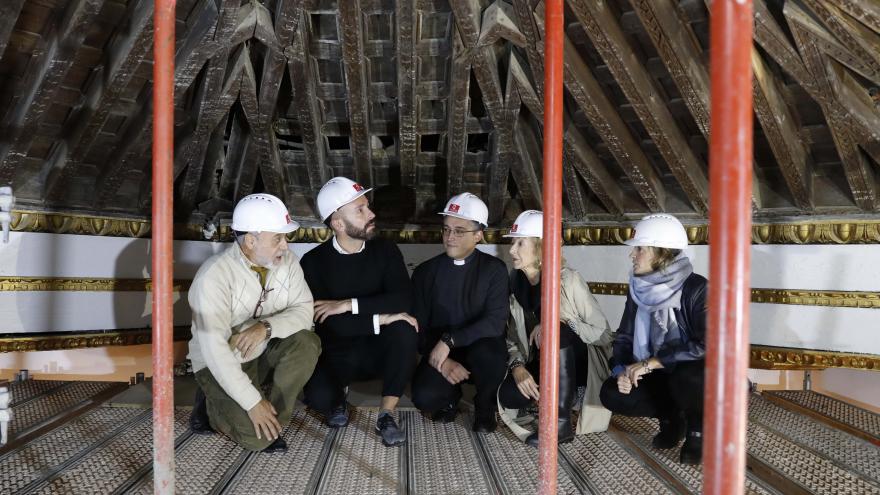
657, 294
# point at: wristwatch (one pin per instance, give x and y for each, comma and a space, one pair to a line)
268, 328
446, 338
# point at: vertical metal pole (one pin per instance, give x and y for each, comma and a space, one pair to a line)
163, 160
730, 226
552, 245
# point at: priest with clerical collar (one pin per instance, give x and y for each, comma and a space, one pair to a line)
461, 303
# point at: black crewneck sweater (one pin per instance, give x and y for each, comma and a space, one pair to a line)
376, 276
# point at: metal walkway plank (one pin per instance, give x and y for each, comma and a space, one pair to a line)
359, 462
642, 430
515, 464
847, 451
38, 458
445, 460
609, 468
22, 392
292, 471
847, 417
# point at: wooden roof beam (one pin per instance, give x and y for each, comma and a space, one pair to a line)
9, 11
48, 67
604, 30
525, 15
302, 78
457, 118
587, 163
124, 55
779, 123
861, 179
352, 39
407, 81
861, 44
865, 11
773, 40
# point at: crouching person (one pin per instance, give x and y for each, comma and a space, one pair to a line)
584, 341
252, 314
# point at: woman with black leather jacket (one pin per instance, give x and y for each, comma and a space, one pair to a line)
659, 351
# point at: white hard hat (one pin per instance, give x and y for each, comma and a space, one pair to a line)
336, 193
659, 230
467, 206
262, 213
529, 223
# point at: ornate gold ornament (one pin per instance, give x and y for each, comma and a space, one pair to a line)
48, 284
81, 340
827, 232
784, 358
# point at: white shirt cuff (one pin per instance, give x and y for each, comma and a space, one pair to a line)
376, 324
354, 306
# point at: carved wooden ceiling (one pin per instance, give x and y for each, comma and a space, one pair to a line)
423, 99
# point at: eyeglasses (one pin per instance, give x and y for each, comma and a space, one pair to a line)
456, 233
264, 295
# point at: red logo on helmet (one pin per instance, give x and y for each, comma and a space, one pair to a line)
287, 218
513, 229
453, 208
357, 187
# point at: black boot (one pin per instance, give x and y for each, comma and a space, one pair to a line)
671, 432
198, 420
692, 449
567, 394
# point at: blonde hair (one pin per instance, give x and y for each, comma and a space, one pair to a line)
663, 257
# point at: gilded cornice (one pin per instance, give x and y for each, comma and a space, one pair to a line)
49, 284
81, 340
827, 298
816, 232
783, 358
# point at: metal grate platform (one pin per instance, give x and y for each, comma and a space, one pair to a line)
109, 450
29, 389
850, 418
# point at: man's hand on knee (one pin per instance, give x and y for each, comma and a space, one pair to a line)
624, 385
387, 319
325, 308
454, 372
249, 340
265, 420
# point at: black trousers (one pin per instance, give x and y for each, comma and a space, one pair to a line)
510, 397
391, 356
486, 359
662, 394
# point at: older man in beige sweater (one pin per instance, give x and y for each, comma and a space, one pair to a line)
251, 329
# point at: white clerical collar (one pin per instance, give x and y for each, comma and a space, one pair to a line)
464, 260
339, 249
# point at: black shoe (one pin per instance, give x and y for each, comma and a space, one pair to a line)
279, 445
485, 424
391, 434
338, 416
692, 449
567, 395
671, 432
446, 414
198, 420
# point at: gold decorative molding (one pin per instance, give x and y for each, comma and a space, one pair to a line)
808, 232
81, 340
784, 358
74, 284
826, 298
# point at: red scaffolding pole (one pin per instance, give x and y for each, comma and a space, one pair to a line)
730, 225
163, 160
552, 245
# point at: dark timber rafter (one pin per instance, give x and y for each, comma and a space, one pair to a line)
8, 16
525, 15
865, 11
208, 35
406, 90
485, 66
309, 116
352, 39
126, 53
858, 172
843, 127
862, 45
604, 30
577, 156
457, 116
40, 84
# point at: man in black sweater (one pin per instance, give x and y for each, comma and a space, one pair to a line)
461, 303
362, 290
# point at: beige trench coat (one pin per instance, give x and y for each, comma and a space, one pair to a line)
580, 310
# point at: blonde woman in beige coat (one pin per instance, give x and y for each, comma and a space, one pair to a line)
585, 341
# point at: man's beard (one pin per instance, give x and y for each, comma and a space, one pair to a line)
364, 234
